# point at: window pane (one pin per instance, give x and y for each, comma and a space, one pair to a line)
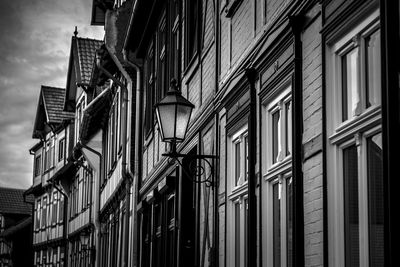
237, 163
350, 96
276, 203
373, 45
246, 158
237, 234
44, 212
193, 29
375, 200
246, 221
289, 220
288, 132
351, 222
275, 136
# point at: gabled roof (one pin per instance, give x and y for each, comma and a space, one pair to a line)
86, 49
53, 103
50, 109
12, 201
82, 56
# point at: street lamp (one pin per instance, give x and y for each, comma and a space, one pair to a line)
84, 238
173, 116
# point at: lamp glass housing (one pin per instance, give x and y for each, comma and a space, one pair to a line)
173, 115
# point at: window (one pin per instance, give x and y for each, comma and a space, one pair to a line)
241, 211
279, 128
87, 186
61, 209
2, 223
74, 210
354, 177
241, 147
280, 207
38, 214
193, 18
150, 89
44, 213
158, 232
162, 59
61, 149
174, 38
38, 258
46, 156
38, 161
278, 189
113, 140
49, 154
358, 75
80, 107
54, 208
238, 204
62, 255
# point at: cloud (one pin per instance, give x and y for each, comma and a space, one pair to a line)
35, 46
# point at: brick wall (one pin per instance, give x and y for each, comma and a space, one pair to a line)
242, 29
312, 166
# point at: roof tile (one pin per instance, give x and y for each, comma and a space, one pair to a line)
86, 53
12, 201
54, 104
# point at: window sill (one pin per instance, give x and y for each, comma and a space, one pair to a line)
48, 170
238, 191
279, 168
371, 116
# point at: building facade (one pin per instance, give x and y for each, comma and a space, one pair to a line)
294, 110
53, 127
15, 228
83, 183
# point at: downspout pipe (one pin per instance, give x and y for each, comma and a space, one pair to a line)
296, 23
137, 156
251, 75
126, 172
390, 20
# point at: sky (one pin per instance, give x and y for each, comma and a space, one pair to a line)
35, 42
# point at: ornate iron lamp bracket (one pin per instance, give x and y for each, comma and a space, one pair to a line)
196, 167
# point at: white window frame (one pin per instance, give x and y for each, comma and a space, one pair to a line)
61, 149
37, 168
282, 161
80, 108
236, 194
365, 123
334, 79
277, 172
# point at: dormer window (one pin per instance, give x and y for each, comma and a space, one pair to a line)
48, 155
61, 149
80, 107
38, 162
